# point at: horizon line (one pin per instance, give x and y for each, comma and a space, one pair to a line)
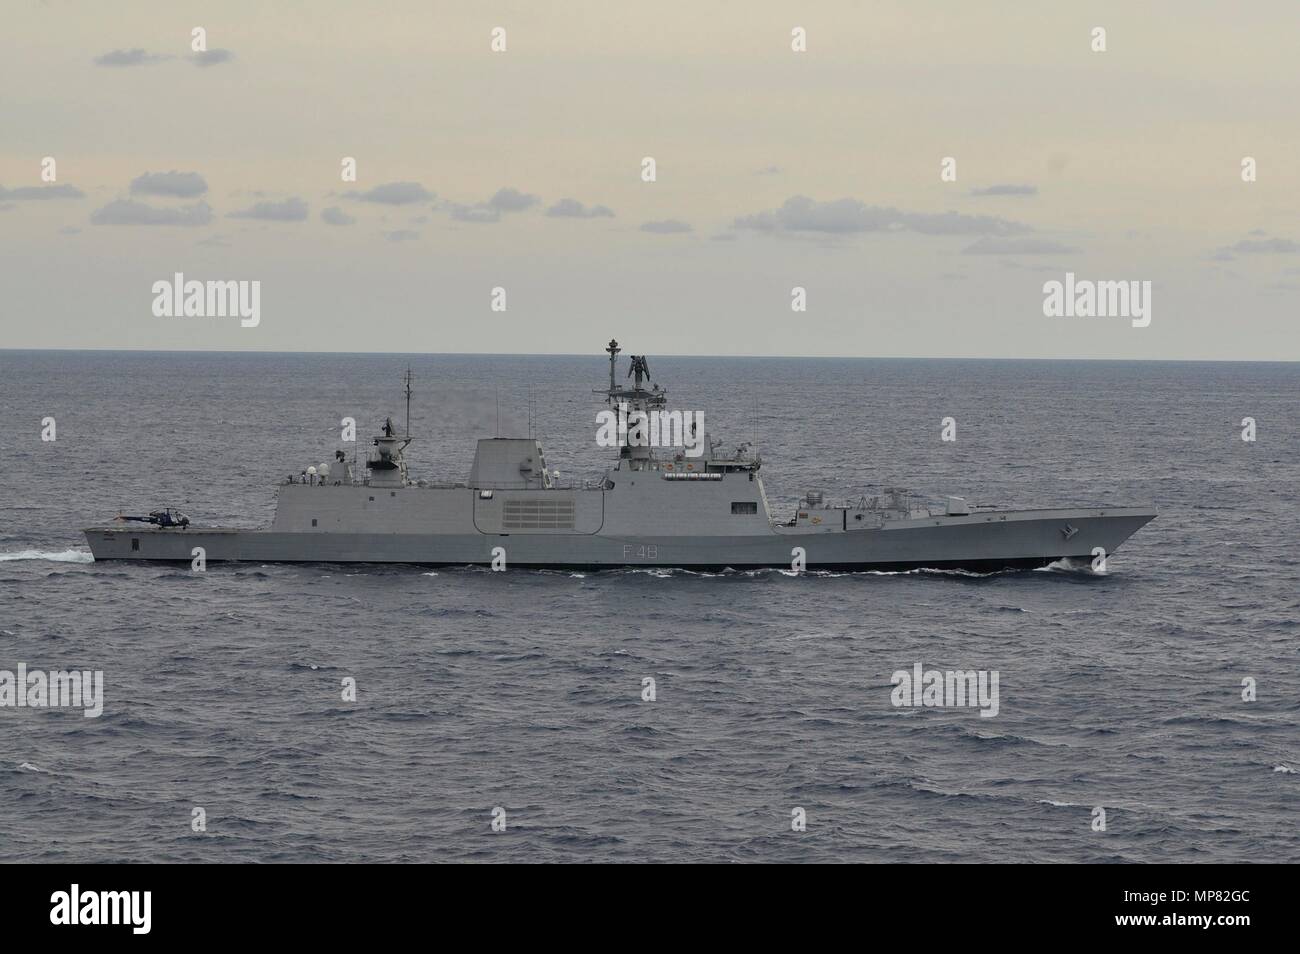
661, 354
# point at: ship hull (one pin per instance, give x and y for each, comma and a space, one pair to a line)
980, 542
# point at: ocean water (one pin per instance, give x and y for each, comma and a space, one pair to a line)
523, 691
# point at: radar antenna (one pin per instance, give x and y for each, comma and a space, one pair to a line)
640, 371
640, 367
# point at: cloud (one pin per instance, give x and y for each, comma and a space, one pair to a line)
394, 193
847, 216
480, 213
505, 200
1029, 268
1017, 246
289, 210
131, 212
134, 57
69, 230
212, 57
1006, 190
214, 241
25, 193
512, 200
1271, 246
401, 235
184, 185
769, 171
666, 227
573, 209
336, 216
954, 223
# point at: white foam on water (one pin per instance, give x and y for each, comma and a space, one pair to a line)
29, 767
62, 556
1070, 565
933, 571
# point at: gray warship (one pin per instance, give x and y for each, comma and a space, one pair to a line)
656, 506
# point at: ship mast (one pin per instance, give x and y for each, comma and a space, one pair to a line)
408, 404
632, 402
613, 350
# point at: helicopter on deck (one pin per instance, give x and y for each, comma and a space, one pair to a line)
160, 518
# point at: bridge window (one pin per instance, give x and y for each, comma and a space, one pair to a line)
744, 506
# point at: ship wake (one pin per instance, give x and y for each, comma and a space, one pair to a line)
56, 556
1077, 565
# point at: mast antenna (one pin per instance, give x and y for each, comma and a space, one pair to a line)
613, 350
408, 403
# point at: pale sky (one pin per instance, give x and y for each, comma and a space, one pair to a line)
775, 169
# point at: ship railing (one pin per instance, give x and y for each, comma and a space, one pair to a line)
577, 484
316, 481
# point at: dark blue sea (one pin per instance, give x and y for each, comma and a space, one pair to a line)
523, 690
